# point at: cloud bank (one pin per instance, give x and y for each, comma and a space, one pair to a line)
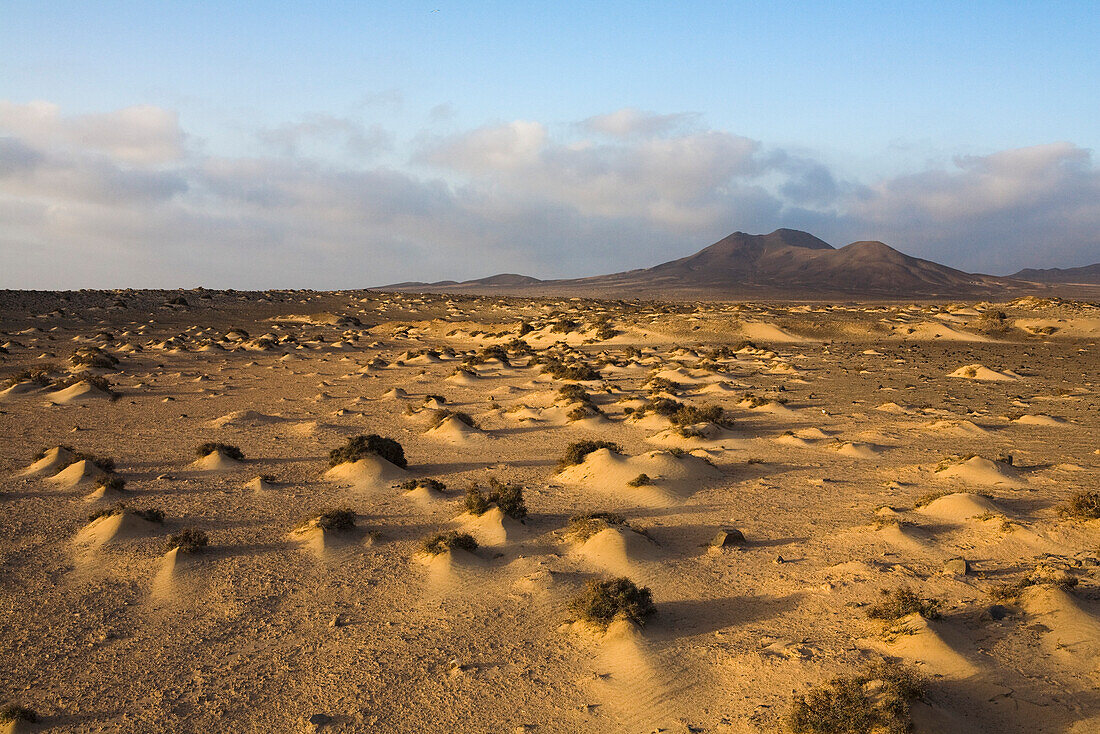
129, 198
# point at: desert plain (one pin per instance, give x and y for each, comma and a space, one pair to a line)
806, 490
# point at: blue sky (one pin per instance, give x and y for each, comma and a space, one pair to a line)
888, 111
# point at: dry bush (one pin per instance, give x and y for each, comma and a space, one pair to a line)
210, 447
447, 541
370, 445
576, 452
902, 602
875, 700
602, 602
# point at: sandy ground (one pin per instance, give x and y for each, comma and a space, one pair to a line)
840, 419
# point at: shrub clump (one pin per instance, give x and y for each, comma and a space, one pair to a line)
642, 480
359, 446
902, 602
875, 700
578, 450
41, 374
338, 520
10, 712
1084, 505
96, 381
602, 602
508, 497
151, 514
583, 527
447, 541
575, 371
441, 415
94, 358
432, 485
188, 540
111, 483
223, 448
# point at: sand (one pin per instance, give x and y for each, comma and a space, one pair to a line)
837, 421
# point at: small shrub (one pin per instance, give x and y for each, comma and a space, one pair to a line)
575, 371
447, 541
338, 520
359, 446
602, 602
115, 509
902, 602
875, 700
111, 483
578, 414
432, 485
578, 450
508, 497
930, 497
583, 527
94, 358
10, 712
151, 514
642, 480
574, 394
188, 540
525, 328
96, 381
660, 384
476, 502
223, 448
41, 374
438, 398
1084, 505
442, 415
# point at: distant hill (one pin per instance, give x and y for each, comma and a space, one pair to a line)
1089, 274
784, 264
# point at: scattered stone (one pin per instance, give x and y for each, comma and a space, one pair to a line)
957, 567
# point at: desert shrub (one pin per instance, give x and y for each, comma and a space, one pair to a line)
660, 384
96, 381
115, 509
576, 451
442, 415
447, 541
188, 540
575, 371
359, 446
563, 326
104, 463
525, 328
744, 344
875, 700
604, 331
150, 514
930, 497
688, 415
1084, 505
1010, 592
579, 413
493, 351
583, 527
224, 448
432, 485
438, 398
42, 374
902, 602
508, 497
602, 602
111, 483
10, 712
339, 520
94, 358
574, 394
642, 480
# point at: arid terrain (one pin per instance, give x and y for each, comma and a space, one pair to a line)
767, 471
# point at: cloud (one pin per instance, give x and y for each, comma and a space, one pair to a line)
142, 134
321, 132
81, 206
630, 122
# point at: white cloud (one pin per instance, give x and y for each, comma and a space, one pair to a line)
630, 122
142, 134
83, 206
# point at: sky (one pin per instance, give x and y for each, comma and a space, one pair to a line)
343, 145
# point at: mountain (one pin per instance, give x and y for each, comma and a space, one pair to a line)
1089, 274
784, 264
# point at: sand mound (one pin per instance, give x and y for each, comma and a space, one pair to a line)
936, 331
453, 430
492, 527
765, 332
960, 506
81, 392
978, 470
1070, 633
925, 644
53, 460
368, 473
856, 450
672, 476
20, 388
216, 461
77, 474
980, 372
259, 484
961, 428
112, 528
244, 418
617, 550
1041, 420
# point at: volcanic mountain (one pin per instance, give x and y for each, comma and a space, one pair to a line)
1089, 274
784, 264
